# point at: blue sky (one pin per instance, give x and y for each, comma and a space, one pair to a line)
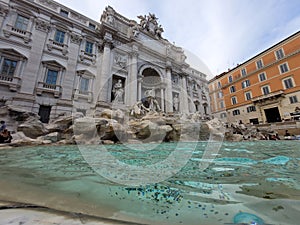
219, 33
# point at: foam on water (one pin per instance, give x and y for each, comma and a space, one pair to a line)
278, 160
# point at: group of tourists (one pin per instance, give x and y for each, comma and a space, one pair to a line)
5, 136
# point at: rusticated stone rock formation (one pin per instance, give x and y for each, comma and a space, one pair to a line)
115, 126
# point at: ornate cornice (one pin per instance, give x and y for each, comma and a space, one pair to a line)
49, 3
76, 39
42, 25
3, 10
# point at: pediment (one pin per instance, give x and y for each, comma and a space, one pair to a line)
85, 72
12, 52
54, 63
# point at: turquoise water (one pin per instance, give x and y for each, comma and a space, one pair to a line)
245, 183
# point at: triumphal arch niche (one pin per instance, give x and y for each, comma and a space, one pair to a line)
136, 60
152, 83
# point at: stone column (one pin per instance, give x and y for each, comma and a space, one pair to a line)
162, 99
169, 97
3, 13
131, 88
13, 17
191, 103
103, 87
77, 81
18, 69
30, 24
31, 72
140, 88
184, 103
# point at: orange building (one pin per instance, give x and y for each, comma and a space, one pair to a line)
264, 89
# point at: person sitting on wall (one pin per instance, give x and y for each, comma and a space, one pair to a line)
287, 133
3, 126
5, 136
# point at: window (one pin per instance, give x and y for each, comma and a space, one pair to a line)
251, 108
230, 79
194, 86
248, 95
223, 115
259, 64
232, 89
59, 36
92, 26
220, 94
89, 47
254, 121
288, 83
265, 90
222, 104
262, 77
233, 100
279, 54
243, 71
64, 13
21, 23
8, 67
51, 76
236, 112
293, 99
84, 84
219, 84
175, 79
245, 83
283, 68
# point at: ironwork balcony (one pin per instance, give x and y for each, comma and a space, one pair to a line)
49, 88
12, 81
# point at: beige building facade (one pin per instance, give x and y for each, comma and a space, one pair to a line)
264, 89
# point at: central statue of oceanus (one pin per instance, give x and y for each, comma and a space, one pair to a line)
147, 104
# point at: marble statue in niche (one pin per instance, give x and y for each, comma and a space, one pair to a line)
118, 92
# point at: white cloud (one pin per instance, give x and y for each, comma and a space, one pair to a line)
221, 33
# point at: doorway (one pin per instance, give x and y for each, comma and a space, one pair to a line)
272, 115
254, 121
44, 113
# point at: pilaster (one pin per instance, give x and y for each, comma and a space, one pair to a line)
184, 102
132, 84
105, 74
168, 94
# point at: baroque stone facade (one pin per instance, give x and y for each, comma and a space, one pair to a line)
56, 61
